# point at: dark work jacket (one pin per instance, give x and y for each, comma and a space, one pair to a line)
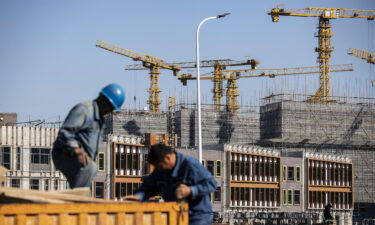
327, 214
186, 171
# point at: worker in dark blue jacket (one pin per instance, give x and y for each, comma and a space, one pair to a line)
76, 146
178, 177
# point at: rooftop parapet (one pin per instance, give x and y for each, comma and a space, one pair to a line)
251, 149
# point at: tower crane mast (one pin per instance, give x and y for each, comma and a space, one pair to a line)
324, 35
152, 63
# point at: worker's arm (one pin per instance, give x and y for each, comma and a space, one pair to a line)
204, 182
147, 189
72, 124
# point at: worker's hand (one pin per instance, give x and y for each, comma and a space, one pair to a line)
183, 191
82, 156
132, 198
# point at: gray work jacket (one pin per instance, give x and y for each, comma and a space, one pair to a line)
82, 128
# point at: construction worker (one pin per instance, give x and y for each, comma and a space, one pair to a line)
178, 177
76, 146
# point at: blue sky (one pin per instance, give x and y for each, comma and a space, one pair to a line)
49, 61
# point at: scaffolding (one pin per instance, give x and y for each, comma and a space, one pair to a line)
218, 127
344, 127
347, 122
137, 123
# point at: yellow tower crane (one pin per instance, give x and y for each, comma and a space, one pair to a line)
324, 35
368, 56
219, 65
233, 75
150, 62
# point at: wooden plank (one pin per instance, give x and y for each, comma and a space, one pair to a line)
2, 219
137, 213
73, 208
120, 218
63, 219
21, 219
138, 218
43, 219
82, 219
85, 191
156, 218
172, 219
28, 194
19, 197
102, 218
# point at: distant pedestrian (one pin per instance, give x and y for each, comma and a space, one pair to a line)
178, 177
327, 217
76, 146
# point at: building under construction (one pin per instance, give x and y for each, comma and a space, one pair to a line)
344, 128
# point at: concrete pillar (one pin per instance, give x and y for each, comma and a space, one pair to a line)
26, 183
348, 218
25, 159
9, 135
124, 150
256, 175
240, 160
235, 162
326, 173
245, 159
261, 161
251, 167
341, 218
19, 136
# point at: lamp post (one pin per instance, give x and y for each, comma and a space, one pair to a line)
199, 85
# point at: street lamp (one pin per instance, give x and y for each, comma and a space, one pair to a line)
199, 85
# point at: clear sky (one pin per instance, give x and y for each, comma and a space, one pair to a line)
49, 62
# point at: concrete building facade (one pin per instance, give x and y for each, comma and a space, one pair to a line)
343, 128
26, 152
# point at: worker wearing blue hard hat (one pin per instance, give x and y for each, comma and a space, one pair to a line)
76, 146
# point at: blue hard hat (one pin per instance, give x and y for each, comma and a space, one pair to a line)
115, 95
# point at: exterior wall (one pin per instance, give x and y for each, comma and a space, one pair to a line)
253, 176
8, 118
267, 213
329, 180
103, 176
22, 139
292, 185
363, 167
